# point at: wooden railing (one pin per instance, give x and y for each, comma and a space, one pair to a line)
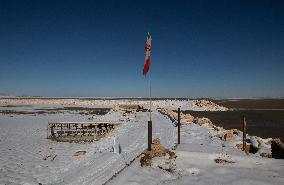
79, 129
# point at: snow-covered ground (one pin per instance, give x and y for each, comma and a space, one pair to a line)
24, 148
27, 157
195, 164
196, 105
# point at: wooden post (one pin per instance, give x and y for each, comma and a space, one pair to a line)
244, 133
178, 125
149, 135
47, 130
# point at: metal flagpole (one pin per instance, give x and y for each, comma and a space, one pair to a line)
150, 80
150, 89
150, 85
150, 93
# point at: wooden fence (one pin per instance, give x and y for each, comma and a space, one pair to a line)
78, 131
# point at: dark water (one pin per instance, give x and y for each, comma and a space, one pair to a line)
265, 117
252, 103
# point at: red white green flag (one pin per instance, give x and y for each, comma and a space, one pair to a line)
148, 48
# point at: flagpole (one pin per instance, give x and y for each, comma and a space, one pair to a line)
145, 70
150, 88
150, 122
150, 94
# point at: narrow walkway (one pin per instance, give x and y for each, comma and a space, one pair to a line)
164, 129
195, 163
98, 168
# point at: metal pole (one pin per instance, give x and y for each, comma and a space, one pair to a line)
150, 94
178, 125
244, 132
149, 135
47, 131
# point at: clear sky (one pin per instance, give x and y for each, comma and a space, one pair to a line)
93, 48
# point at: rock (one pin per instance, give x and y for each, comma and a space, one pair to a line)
220, 135
173, 115
164, 167
202, 121
253, 141
225, 135
164, 164
266, 154
157, 150
277, 149
240, 147
249, 148
269, 142
171, 154
79, 153
146, 159
170, 114
223, 161
187, 118
209, 104
218, 128
229, 136
157, 141
236, 131
260, 142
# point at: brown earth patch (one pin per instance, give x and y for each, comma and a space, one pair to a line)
79, 153
223, 161
157, 150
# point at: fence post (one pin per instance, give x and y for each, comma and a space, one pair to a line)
244, 133
47, 130
149, 135
178, 125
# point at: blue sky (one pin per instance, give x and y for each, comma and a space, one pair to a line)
96, 48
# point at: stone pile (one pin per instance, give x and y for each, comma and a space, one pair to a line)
209, 104
203, 121
157, 150
225, 135
254, 144
173, 116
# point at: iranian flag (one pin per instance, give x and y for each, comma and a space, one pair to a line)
148, 48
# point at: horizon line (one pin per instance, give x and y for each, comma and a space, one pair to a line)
133, 97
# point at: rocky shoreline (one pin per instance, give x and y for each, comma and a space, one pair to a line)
269, 147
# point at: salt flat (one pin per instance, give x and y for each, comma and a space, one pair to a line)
27, 157
195, 164
24, 147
